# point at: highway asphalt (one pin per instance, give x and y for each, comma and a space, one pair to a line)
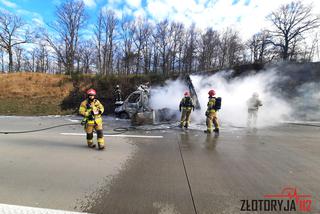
171, 171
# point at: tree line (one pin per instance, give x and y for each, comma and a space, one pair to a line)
127, 46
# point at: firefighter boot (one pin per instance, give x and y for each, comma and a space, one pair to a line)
91, 144
90, 141
100, 146
100, 139
186, 125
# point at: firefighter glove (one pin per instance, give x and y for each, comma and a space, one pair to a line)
83, 122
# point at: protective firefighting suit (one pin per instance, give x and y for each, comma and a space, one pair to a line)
211, 115
186, 106
253, 106
92, 110
117, 94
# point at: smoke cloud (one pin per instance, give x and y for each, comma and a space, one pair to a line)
277, 106
307, 101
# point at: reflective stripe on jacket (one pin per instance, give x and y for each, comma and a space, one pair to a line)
211, 104
186, 103
86, 108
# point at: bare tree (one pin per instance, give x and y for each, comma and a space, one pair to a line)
18, 52
161, 38
190, 49
141, 33
2, 60
147, 46
12, 34
208, 48
180, 33
98, 32
32, 54
26, 64
110, 26
105, 33
231, 49
86, 55
127, 32
310, 52
42, 58
259, 47
71, 19
315, 48
175, 38
291, 22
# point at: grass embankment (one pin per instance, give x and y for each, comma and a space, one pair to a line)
33, 93
48, 94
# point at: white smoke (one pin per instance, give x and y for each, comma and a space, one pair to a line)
168, 96
308, 100
234, 93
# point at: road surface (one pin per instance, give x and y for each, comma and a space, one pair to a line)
160, 171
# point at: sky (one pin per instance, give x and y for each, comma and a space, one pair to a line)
246, 16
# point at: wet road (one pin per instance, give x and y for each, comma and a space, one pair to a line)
183, 172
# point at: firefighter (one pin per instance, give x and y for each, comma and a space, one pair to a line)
92, 109
186, 105
253, 106
212, 107
117, 94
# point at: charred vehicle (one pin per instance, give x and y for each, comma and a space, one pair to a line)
136, 106
137, 101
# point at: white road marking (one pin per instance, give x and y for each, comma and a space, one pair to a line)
119, 135
9, 209
74, 121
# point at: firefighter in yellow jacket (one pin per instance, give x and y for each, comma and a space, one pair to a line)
211, 113
92, 109
186, 105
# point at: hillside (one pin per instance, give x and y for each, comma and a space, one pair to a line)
48, 94
33, 93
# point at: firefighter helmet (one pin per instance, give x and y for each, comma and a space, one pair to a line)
187, 94
211, 93
91, 91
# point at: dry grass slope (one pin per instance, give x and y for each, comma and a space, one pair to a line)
48, 94
33, 93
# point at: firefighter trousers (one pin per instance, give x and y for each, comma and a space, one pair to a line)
185, 117
97, 126
212, 120
252, 118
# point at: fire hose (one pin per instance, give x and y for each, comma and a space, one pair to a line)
117, 130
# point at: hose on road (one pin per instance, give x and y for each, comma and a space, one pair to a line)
117, 130
37, 130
